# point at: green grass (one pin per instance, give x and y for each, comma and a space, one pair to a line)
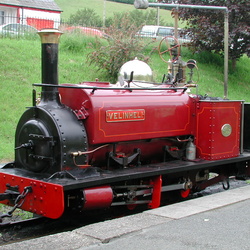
211, 74
97, 5
20, 68
111, 8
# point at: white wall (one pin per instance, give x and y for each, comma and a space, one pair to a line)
10, 15
41, 15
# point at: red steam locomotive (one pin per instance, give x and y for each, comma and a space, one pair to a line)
95, 145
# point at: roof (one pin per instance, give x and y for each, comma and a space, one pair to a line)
36, 4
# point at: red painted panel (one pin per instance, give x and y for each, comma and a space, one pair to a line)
40, 23
46, 199
218, 129
163, 113
156, 195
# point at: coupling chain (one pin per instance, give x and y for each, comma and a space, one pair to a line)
18, 202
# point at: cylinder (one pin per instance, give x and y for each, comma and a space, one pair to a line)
97, 198
50, 41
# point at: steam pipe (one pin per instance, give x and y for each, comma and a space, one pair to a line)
50, 40
144, 4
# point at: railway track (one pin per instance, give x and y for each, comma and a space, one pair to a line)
37, 227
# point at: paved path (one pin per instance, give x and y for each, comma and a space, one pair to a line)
219, 221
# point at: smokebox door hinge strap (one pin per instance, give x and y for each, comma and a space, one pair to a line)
81, 114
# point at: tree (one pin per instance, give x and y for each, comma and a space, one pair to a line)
89, 18
137, 18
85, 17
206, 27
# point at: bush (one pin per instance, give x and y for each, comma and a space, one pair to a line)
122, 46
89, 18
85, 17
137, 17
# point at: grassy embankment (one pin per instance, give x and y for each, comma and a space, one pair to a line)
20, 67
109, 7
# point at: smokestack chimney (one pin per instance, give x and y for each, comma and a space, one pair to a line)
50, 40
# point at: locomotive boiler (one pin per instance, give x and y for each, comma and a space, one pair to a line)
95, 145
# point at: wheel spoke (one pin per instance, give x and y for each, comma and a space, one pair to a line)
165, 42
165, 51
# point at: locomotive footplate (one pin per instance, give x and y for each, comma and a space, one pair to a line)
47, 192
92, 177
104, 177
44, 198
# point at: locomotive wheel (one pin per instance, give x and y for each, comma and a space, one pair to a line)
132, 207
165, 47
185, 193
